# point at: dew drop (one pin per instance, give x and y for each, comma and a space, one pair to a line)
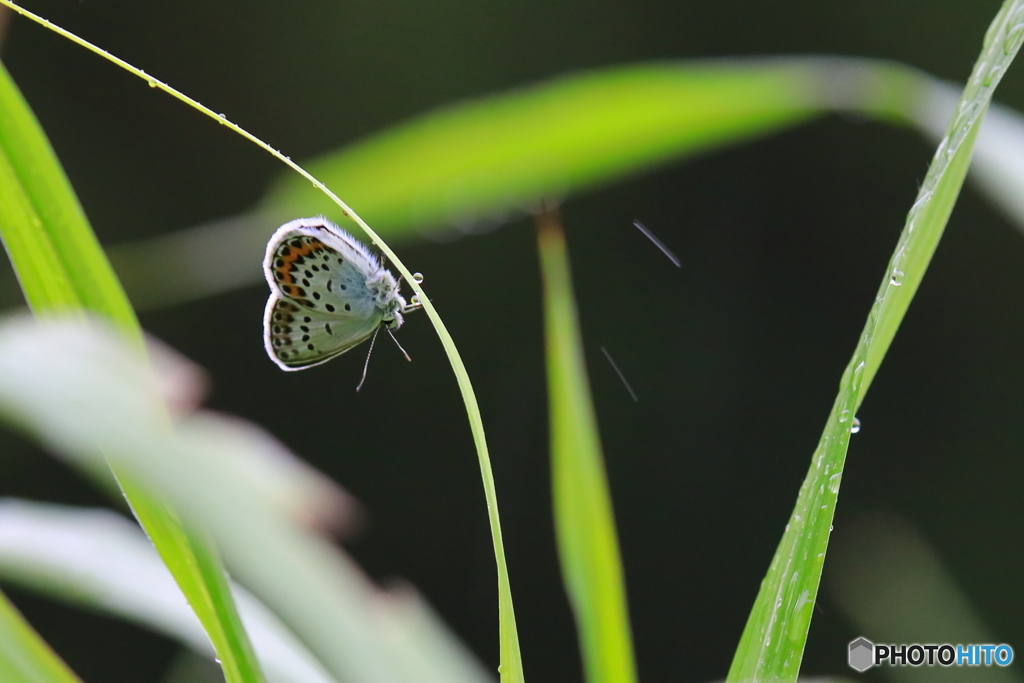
991, 75
1013, 39
921, 201
418, 277
896, 277
833, 483
858, 375
855, 426
980, 68
151, 82
844, 416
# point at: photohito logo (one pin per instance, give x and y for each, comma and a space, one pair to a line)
864, 654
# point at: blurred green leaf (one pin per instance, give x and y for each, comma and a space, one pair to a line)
483, 158
892, 584
61, 266
98, 559
481, 161
24, 656
90, 398
588, 547
772, 644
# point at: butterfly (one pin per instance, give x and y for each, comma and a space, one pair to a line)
328, 293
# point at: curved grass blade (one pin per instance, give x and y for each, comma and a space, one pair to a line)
510, 657
61, 266
24, 656
772, 644
588, 547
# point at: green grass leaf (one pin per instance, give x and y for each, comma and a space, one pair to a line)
61, 267
773, 641
57, 258
503, 152
24, 656
588, 547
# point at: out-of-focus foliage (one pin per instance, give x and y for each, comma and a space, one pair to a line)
63, 271
90, 398
588, 544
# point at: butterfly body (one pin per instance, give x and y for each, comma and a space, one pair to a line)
328, 294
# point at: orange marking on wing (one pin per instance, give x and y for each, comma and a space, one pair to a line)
287, 261
288, 254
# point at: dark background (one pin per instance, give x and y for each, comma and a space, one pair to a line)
735, 357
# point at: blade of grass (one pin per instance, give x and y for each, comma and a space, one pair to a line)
60, 265
588, 547
510, 666
503, 152
773, 641
24, 656
42, 279
54, 246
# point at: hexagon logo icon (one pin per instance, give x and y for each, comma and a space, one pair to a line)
862, 654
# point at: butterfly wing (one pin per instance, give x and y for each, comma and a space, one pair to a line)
297, 338
320, 306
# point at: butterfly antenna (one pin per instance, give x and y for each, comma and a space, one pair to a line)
399, 346
366, 365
